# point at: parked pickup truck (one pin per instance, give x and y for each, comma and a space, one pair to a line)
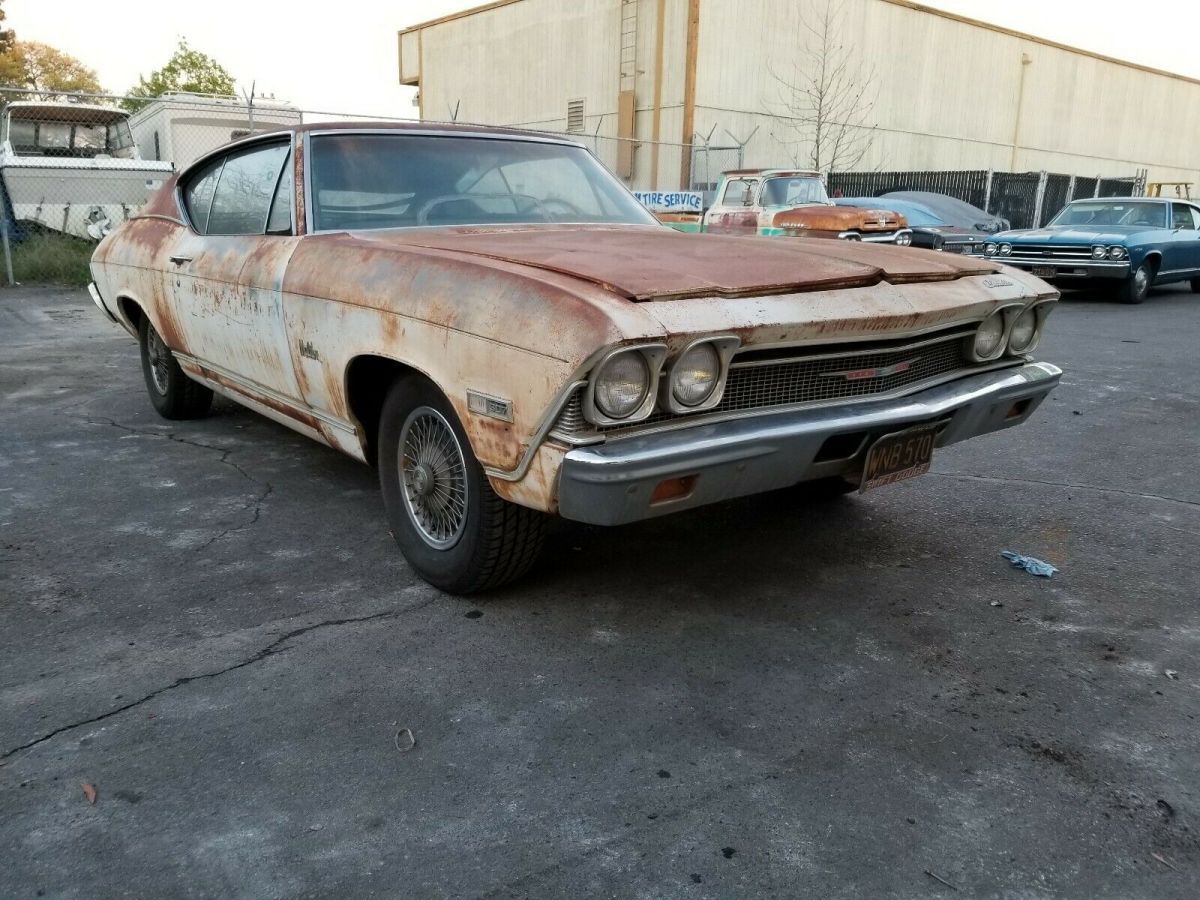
789, 203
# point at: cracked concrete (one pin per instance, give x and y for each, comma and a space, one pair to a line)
208, 622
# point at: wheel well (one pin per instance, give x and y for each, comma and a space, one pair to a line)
368, 379
1154, 260
131, 311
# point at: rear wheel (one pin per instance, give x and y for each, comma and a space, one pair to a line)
172, 393
1135, 289
451, 526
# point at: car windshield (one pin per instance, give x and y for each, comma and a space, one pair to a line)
784, 191
1113, 212
364, 181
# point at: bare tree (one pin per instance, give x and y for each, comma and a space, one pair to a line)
826, 94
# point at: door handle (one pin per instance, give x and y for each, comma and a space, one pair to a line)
180, 260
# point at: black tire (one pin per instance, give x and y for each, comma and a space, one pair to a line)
1137, 286
1196, 285
489, 541
173, 394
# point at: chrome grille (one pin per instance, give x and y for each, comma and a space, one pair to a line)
1075, 253
766, 378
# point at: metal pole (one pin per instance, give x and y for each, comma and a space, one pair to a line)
987, 193
1071, 189
7, 251
1037, 203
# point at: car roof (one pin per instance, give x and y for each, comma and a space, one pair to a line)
441, 129
1127, 199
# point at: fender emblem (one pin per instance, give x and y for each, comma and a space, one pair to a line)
492, 407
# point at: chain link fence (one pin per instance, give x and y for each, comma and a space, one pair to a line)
1025, 199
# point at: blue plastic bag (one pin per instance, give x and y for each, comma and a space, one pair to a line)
1030, 564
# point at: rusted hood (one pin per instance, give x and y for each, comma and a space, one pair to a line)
642, 263
839, 218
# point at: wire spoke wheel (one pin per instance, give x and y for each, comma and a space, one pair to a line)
433, 476
160, 360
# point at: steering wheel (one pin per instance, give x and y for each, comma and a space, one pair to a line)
571, 208
431, 205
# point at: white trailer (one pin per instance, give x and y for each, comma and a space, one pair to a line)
180, 127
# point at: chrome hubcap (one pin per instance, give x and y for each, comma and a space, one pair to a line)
159, 357
1141, 281
433, 473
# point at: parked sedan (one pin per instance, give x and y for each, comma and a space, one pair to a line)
953, 210
498, 325
1123, 243
929, 230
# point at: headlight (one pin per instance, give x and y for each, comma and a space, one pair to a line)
1116, 253
694, 377
903, 240
1098, 252
989, 338
1005, 249
990, 249
622, 385
1023, 332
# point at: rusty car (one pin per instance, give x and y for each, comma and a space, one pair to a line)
492, 320
790, 203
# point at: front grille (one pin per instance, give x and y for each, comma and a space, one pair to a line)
767, 378
1077, 253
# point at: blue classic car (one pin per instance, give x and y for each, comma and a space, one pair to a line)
1128, 243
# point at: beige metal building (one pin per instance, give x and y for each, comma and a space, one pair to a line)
645, 80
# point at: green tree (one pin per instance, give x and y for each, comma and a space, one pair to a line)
187, 70
7, 36
40, 67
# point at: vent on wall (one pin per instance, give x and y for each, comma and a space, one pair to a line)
574, 115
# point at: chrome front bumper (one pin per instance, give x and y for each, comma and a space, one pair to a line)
1068, 269
99, 301
613, 483
889, 237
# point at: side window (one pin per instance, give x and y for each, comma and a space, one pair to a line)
735, 192
245, 188
1181, 217
198, 195
280, 219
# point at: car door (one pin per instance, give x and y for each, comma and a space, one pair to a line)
227, 270
1183, 256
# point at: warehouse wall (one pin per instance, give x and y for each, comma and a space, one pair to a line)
948, 93
947, 90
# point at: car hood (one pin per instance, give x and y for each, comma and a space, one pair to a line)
648, 262
1072, 234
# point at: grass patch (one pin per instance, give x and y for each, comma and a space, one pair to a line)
51, 259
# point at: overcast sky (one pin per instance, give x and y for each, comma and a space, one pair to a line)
341, 56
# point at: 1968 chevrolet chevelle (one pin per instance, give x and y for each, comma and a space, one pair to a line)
494, 321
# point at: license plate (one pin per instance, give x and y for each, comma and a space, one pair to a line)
1045, 271
895, 457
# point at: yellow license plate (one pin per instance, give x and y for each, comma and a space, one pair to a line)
895, 457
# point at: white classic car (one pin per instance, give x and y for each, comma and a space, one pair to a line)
493, 320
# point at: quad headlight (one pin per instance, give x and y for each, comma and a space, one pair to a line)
904, 240
989, 337
624, 385
695, 375
1024, 332
1005, 249
1099, 252
991, 249
1117, 253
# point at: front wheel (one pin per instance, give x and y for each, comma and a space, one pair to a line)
451, 526
172, 393
1138, 286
